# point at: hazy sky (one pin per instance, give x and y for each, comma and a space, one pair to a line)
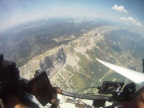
14, 12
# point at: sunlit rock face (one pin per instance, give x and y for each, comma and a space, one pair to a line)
49, 62
73, 66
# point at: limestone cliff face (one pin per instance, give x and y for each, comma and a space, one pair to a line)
49, 62
73, 66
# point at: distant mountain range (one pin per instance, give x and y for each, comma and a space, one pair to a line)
23, 42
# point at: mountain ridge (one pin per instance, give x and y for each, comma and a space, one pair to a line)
73, 66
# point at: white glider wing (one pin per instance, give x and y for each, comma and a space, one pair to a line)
132, 75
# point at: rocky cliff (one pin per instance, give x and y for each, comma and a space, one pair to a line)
73, 66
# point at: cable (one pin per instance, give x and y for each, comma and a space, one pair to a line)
86, 94
81, 90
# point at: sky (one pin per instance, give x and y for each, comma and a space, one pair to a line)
13, 12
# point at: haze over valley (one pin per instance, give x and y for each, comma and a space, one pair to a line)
69, 57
